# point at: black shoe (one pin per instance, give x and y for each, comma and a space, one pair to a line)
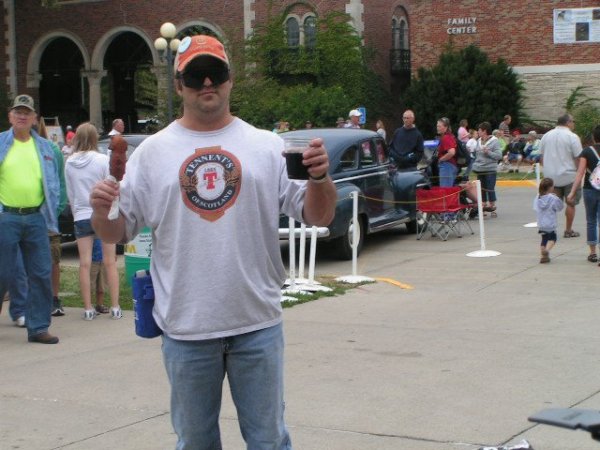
57, 309
43, 338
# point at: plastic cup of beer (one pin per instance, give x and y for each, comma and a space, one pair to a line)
294, 149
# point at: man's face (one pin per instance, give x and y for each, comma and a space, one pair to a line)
355, 120
22, 118
571, 124
408, 118
120, 126
205, 86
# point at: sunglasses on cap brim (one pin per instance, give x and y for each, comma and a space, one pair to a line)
195, 77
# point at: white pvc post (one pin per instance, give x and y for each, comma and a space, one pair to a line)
292, 242
301, 257
355, 235
480, 215
537, 183
482, 253
354, 278
313, 255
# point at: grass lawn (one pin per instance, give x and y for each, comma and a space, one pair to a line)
70, 294
521, 175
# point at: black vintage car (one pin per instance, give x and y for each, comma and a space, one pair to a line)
359, 161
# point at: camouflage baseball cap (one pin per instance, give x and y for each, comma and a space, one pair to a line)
25, 101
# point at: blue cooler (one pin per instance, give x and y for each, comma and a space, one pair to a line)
143, 303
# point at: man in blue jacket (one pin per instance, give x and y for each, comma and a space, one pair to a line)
29, 199
406, 148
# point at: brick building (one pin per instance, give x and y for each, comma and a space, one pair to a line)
79, 60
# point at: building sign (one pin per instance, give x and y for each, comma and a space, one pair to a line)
461, 25
576, 25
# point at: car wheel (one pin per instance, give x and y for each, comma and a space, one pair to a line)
411, 227
343, 244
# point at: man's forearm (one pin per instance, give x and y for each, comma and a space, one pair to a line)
319, 202
110, 231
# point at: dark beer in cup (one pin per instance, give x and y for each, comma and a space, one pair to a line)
294, 150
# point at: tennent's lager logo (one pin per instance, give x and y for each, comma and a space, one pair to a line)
210, 182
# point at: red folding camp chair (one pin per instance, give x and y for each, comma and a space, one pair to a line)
441, 212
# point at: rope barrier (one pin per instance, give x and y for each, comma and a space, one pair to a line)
408, 202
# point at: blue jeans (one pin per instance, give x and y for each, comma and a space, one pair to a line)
17, 290
488, 186
28, 233
591, 200
448, 173
253, 363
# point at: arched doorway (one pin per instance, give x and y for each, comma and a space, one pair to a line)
62, 91
125, 59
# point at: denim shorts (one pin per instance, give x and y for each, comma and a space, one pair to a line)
548, 236
83, 228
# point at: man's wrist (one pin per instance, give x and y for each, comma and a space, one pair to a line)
319, 179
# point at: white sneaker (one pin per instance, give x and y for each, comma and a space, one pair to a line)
89, 314
116, 313
20, 322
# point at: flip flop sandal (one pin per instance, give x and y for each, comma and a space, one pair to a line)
493, 214
101, 309
571, 234
592, 258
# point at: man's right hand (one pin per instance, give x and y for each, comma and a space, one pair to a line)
102, 196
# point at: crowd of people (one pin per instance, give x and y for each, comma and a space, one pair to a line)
37, 178
568, 165
220, 315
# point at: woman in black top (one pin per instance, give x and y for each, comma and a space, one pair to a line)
588, 159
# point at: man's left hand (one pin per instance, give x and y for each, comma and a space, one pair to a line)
316, 159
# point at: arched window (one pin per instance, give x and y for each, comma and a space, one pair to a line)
310, 31
403, 32
292, 31
395, 34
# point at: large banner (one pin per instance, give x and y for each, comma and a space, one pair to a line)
576, 25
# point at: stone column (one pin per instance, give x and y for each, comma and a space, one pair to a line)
94, 78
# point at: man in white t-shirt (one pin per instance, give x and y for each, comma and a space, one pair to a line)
559, 149
211, 188
354, 117
118, 127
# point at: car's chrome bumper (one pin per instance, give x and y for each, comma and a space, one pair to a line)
322, 232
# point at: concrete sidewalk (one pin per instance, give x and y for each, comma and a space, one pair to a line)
457, 362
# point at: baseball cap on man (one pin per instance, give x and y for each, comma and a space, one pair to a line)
25, 101
200, 45
354, 113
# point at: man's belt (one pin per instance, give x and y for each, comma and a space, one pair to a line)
21, 211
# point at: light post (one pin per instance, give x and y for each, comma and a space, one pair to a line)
167, 45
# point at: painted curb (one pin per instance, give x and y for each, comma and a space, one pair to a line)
516, 183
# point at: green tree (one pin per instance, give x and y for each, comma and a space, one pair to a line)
584, 109
298, 84
464, 84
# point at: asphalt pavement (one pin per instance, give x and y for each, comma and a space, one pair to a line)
452, 352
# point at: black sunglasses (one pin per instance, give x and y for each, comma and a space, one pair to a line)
194, 77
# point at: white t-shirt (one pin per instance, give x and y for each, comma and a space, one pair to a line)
559, 148
212, 200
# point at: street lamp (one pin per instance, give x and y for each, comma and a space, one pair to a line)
167, 45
